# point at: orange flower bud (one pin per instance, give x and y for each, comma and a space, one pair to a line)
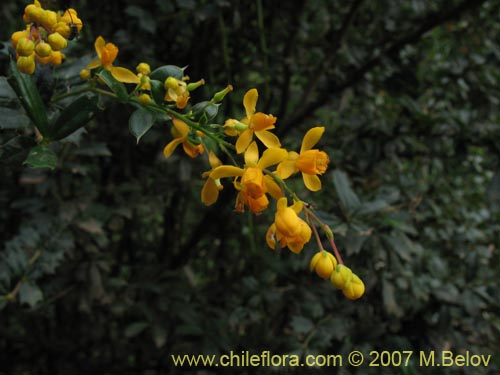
63, 29
56, 58
84, 74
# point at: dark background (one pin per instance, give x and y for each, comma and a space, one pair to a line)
132, 266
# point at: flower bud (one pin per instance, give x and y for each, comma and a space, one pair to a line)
143, 68
63, 29
85, 74
25, 47
354, 288
144, 99
57, 41
34, 14
324, 263
219, 96
341, 276
172, 83
18, 35
26, 64
43, 49
50, 19
56, 58
194, 85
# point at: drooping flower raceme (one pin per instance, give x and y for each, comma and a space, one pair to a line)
311, 162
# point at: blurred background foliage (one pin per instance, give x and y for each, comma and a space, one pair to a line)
112, 262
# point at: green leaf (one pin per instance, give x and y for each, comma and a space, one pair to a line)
16, 149
165, 71
13, 119
116, 86
141, 121
301, 324
158, 91
30, 293
41, 156
346, 195
74, 116
135, 329
208, 112
30, 98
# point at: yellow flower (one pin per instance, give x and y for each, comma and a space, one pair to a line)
176, 91
310, 162
254, 123
324, 263
180, 131
288, 228
107, 53
354, 288
211, 188
250, 181
343, 278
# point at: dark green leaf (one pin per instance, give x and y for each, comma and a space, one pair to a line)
13, 119
116, 86
74, 116
30, 293
165, 71
207, 112
135, 329
16, 149
140, 122
301, 324
41, 156
158, 91
30, 98
346, 195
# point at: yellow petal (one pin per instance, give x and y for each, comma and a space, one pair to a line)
99, 46
312, 137
297, 206
252, 155
250, 102
281, 204
169, 148
209, 193
191, 150
226, 171
261, 121
94, 64
124, 75
213, 160
268, 139
272, 156
311, 181
272, 187
181, 127
287, 167
271, 236
244, 140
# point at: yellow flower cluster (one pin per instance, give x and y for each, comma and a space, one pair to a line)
46, 34
259, 177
